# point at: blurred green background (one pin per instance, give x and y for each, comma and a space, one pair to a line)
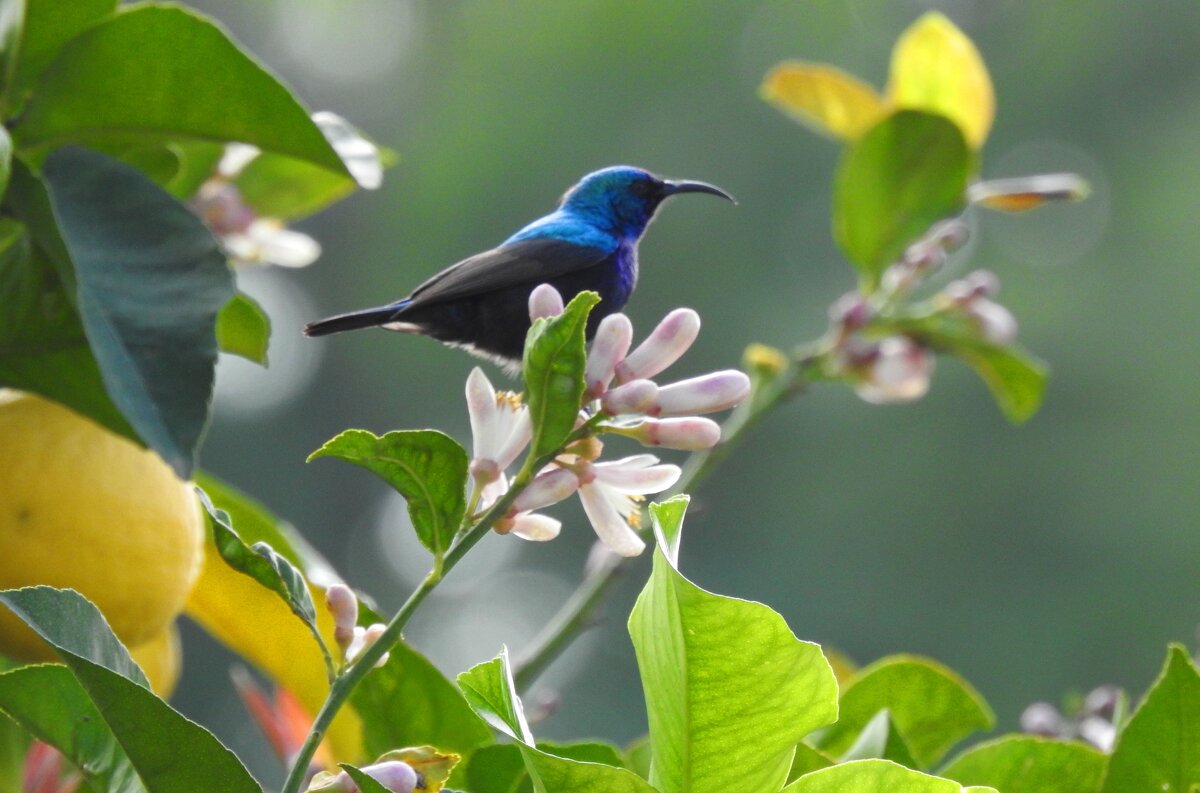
1035, 560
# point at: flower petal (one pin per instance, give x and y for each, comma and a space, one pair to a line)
706, 394
519, 430
547, 488
281, 246
481, 408
544, 301
613, 337
689, 433
608, 523
634, 397
637, 481
534, 527
663, 347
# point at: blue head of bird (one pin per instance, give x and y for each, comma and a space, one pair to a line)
622, 199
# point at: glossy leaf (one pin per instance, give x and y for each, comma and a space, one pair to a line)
823, 98
871, 776
729, 689
151, 279
201, 86
1159, 749
435, 711
490, 690
148, 729
44, 28
427, 467
49, 702
265, 566
936, 68
908, 172
931, 706
555, 357
244, 329
1029, 764
880, 739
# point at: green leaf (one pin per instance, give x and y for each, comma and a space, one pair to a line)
585, 751
47, 26
1159, 749
427, 467
244, 329
871, 776
499, 768
266, 566
638, 756
149, 731
14, 743
435, 711
931, 706
880, 739
165, 72
806, 761
50, 703
1029, 764
5, 160
555, 357
729, 689
151, 279
490, 690
908, 172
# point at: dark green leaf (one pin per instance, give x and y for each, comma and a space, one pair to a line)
5, 160
555, 357
435, 712
1028, 764
499, 768
149, 731
263, 564
490, 691
366, 784
729, 689
638, 755
244, 329
1159, 749
909, 171
165, 72
46, 27
871, 776
198, 160
931, 706
427, 467
806, 761
151, 279
880, 739
50, 703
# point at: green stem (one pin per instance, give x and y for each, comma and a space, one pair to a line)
353, 674
578, 613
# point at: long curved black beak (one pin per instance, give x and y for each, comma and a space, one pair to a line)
672, 187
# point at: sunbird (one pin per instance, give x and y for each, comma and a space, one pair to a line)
589, 242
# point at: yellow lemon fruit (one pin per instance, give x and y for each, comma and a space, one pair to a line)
160, 659
85, 509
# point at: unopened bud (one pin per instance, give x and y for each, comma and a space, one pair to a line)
950, 235
396, 776
547, 488
663, 347
343, 605
363, 639
900, 372
688, 434
706, 394
851, 311
634, 397
544, 301
1042, 718
613, 337
1101, 701
1099, 732
996, 323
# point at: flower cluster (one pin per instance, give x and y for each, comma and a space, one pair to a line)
351, 638
620, 393
1094, 721
877, 341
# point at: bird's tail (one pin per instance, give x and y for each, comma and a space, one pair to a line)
366, 318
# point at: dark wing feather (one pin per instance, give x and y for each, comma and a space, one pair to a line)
530, 262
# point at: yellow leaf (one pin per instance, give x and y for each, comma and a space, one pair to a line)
256, 624
936, 68
824, 98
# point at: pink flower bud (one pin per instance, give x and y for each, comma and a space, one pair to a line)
636, 396
687, 434
981, 283
544, 301
535, 527
900, 372
343, 605
547, 488
363, 639
706, 394
613, 337
663, 347
396, 776
851, 311
996, 323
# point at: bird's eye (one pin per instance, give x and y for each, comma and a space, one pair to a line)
643, 189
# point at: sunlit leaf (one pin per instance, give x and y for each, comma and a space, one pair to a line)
880, 739
490, 690
1159, 749
553, 367
824, 98
936, 68
149, 731
427, 467
806, 761
1023, 193
908, 172
1029, 764
871, 776
931, 706
729, 689
244, 329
